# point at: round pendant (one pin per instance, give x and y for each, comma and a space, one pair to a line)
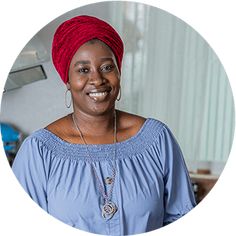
108, 210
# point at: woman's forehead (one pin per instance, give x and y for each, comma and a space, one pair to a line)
94, 49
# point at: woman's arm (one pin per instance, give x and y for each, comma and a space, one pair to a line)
30, 169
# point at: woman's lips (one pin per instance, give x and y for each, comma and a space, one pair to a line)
98, 96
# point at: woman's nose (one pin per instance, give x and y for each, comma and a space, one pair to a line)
96, 78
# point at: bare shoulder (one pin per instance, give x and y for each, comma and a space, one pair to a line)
60, 127
130, 123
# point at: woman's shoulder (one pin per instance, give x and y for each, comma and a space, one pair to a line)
128, 125
60, 125
47, 134
128, 120
61, 128
134, 124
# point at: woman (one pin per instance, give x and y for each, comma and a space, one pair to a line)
99, 169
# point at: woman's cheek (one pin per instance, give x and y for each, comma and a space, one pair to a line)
78, 82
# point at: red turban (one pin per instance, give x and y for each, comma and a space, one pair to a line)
73, 33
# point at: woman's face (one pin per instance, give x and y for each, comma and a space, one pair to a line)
94, 78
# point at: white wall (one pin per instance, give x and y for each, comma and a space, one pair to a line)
35, 105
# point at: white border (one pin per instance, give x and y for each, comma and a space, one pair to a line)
214, 20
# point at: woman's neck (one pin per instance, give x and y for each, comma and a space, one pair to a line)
91, 125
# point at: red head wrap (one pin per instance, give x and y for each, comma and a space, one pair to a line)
73, 33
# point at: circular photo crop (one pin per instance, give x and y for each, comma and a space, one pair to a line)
117, 118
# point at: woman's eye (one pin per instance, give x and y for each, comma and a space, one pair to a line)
83, 70
107, 68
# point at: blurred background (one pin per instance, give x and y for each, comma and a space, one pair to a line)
169, 73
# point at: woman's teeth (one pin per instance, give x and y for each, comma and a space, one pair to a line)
97, 94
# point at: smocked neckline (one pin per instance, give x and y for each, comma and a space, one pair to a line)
130, 147
62, 141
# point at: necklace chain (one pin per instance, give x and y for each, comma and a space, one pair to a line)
106, 197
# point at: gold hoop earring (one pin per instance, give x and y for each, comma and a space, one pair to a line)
119, 97
68, 105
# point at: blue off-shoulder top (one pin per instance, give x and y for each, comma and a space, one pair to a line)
152, 187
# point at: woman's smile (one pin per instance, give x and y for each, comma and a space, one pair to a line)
100, 94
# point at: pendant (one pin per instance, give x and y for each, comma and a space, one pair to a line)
108, 210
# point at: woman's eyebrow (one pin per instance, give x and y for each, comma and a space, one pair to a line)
106, 59
81, 62
85, 62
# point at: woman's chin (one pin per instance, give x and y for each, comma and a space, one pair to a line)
101, 109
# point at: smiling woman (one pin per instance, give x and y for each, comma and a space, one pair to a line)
94, 78
99, 169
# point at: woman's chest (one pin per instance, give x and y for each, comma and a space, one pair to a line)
77, 191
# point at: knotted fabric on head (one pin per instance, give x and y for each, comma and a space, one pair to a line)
73, 33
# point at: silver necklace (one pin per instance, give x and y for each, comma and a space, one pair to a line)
109, 208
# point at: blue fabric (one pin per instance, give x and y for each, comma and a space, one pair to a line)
152, 187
